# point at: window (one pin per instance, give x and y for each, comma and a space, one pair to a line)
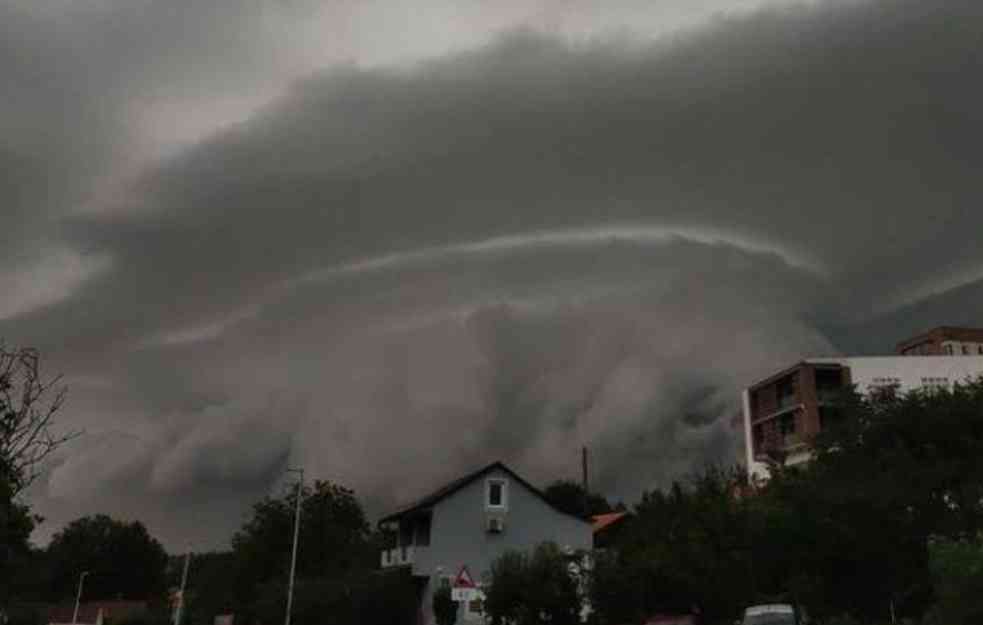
965, 350
758, 438
786, 392
935, 383
786, 425
980, 348
948, 350
496, 494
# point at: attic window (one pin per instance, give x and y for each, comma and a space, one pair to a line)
496, 494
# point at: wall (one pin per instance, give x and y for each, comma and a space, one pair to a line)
459, 538
910, 370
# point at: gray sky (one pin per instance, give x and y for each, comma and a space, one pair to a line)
388, 241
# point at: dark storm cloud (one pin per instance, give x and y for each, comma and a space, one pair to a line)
508, 252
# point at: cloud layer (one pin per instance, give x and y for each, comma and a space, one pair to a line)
544, 236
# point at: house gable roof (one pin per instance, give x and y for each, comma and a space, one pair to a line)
450, 488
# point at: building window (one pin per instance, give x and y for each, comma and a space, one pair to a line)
757, 439
980, 348
786, 427
786, 392
497, 495
935, 383
965, 350
948, 350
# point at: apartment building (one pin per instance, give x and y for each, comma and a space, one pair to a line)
784, 411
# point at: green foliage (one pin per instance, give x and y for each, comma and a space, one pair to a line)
957, 571
533, 589
213, 588
336, 555
16, 525
846, 536
365, 598
444, 607
568, 496
333, 531
122, 558
687, 547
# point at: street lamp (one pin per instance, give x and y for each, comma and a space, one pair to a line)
78, 598
293, 557
184, 582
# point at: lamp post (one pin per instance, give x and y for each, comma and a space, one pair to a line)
293, 557
78, 598
179, 608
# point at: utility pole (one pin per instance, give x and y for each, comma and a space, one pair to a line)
585, 483
293, 557
78, 598
184, 584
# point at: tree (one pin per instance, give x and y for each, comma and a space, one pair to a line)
957, 573
16, 525
212, 589
533, 589
334, 535
917, 452
686, 548
28, 404
444, 607
568, 496
123, 560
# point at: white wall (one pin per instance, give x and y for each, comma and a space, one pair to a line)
912, 372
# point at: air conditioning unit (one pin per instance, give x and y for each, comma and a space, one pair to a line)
496, 525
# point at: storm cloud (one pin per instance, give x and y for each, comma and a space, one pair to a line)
389, 256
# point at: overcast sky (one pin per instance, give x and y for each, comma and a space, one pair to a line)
391, 241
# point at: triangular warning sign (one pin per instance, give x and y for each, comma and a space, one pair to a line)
464, 579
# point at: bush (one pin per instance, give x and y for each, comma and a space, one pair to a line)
444, 607
533, 590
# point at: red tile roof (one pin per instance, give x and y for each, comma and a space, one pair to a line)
601, 521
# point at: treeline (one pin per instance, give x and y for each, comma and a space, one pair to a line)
337, 568
883, 526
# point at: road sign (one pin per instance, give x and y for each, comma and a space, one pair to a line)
464, 594
464, 579
464, 588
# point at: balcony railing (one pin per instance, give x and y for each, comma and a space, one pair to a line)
398, 556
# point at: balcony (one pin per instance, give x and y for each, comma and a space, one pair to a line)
400, 556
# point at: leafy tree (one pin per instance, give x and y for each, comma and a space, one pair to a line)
688, 547
568, 496
533, 589
334, 536
123, 560
16, 525
366, 598
917, 452
444, 607
211, 588
957, 572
